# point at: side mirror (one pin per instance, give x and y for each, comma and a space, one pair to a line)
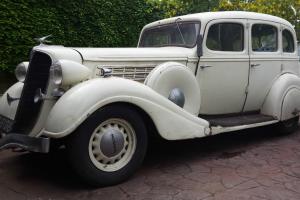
199, 45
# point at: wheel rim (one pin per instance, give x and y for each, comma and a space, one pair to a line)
112, 144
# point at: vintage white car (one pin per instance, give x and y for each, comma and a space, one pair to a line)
190, 77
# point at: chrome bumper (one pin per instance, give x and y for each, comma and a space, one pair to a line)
25, 142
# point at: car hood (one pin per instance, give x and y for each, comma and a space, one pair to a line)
99, 54
96, 55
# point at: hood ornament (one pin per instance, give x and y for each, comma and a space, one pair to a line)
43, 40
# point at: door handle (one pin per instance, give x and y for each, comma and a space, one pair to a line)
205, 66
254, 65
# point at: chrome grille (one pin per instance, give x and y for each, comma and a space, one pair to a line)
134, 73
36, 78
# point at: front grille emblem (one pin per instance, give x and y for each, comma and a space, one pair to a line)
11, 99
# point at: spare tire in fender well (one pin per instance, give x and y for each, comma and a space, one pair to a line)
170, 79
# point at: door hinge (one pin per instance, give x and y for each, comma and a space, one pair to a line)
247, 25
281, 67
247, 90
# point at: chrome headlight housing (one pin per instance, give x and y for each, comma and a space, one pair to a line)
68, 73
21, 71
56, 73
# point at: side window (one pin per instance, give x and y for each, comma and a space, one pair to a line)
226, 37
288, 44
264, 38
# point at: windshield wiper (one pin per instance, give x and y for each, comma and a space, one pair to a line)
182, 38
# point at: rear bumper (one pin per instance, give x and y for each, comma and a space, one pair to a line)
25, 142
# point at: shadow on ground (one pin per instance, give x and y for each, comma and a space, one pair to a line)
53, 169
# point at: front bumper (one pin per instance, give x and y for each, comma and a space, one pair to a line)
25, 142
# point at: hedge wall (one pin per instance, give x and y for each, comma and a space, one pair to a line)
98, 23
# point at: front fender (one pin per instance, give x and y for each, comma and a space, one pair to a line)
74, 107
9, 110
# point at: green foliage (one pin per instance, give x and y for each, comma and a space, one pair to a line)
278, 8
91, 23
102, 23
167, 8
171, 8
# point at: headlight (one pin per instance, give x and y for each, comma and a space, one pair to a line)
56, 74
67, 73
21, 71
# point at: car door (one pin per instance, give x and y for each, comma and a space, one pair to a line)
223, 69
290, 59
265, 61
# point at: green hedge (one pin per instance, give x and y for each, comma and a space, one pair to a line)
81, 23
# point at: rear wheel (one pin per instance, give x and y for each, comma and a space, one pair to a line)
288, 126
109, 146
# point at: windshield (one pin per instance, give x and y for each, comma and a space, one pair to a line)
175, 34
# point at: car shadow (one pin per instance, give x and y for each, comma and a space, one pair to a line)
221, 146
53, 169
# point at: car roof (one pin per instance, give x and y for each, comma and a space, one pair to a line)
205, 17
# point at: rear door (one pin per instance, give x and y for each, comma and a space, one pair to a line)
290, 59
265, 61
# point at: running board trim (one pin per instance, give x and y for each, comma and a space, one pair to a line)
219, 129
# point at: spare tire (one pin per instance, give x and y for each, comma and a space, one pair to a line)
176, 82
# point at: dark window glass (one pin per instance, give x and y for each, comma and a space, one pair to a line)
226, 37
264, 38
287, 41
175, 34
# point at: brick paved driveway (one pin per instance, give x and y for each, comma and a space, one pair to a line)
253, 164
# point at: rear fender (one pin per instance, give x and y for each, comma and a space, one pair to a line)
283, 100
291, 104
74, 107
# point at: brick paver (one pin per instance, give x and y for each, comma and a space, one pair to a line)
253, 164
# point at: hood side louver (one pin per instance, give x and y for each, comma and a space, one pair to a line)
133, 73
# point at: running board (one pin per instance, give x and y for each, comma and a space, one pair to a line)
237, 119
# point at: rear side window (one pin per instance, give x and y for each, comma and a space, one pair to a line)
288, 44
226, 37
264, 38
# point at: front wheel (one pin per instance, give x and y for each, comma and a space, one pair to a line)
109, 146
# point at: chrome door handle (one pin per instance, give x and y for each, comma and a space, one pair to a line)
254, 65
205, 66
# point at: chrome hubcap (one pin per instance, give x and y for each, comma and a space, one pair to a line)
112, 144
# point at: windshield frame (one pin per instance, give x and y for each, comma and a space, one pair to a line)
140, 45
